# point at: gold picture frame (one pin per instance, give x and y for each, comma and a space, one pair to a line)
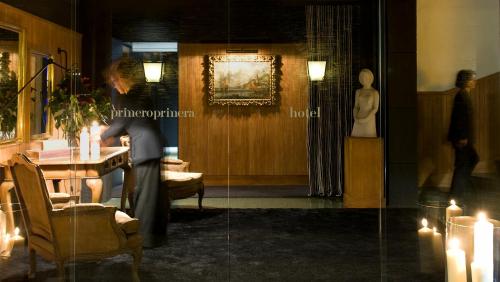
243, 80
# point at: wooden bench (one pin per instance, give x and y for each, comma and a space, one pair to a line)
180, 185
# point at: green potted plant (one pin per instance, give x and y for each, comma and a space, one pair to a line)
74, 104
8, 91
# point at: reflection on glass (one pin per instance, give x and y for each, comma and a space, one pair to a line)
39, 95
478, 238
9, 70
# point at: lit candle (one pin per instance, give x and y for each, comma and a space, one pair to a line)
3, 229
437, 246
425, 231
453, 210
425, 237
478, 272
7, 245
483, 249
455, 258
3, 224
95, 138
84, 144
17, 238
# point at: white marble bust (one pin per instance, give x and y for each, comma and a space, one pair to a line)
365, 107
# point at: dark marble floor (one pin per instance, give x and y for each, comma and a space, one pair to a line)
266, 245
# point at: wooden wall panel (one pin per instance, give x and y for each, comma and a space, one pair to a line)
40, 36
435, 154
244, 141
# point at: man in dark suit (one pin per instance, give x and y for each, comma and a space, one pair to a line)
461, 136
146, 146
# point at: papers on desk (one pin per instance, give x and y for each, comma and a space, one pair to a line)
51, 149
49, 154
54, 144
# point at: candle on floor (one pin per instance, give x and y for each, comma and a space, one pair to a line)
18, 239
453, 210
3, 224
425, 238
95, 138
437, 246
1, 244
84, 144
483, 249
3, 229
455, 259
425, 231
6, 246
478, 272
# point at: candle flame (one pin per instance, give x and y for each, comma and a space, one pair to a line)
85, 129
435, 230
452, 202
454, 244
16, 231
424, 222
481, 216
95, 123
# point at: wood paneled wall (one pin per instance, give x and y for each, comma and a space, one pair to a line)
37, 36
435, 154
253, 145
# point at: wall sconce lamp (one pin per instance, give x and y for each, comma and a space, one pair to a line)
153, 71
316, 70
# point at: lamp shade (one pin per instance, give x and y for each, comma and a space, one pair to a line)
316, 70
153, 71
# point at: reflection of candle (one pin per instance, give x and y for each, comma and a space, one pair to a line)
483, 249
3, 229
425, 231
478, 272
455, 258
453, 210
1, 244
17, 238
425, 237
95, 138
3, 224
437, 246
84, 144
7, 245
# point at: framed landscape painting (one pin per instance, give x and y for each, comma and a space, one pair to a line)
242, 80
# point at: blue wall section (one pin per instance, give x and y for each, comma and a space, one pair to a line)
164, 95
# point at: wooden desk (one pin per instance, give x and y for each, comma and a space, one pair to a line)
92, 170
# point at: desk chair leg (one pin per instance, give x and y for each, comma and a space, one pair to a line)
137, 255
131, 204
32, 271
128, 189
201, 192
169, 204
60, 271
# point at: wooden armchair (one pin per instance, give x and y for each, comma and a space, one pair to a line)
75, 232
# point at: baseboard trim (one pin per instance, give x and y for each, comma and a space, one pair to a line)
238, 180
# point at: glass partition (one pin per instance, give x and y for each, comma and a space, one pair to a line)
9, 74
281, 140
40, 91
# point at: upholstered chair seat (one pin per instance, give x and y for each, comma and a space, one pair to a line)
57, 198
180, 185
127, 224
